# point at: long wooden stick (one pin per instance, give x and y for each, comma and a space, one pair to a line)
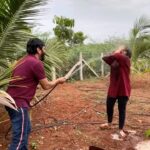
67, 76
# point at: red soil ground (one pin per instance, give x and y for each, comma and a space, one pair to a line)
70, 117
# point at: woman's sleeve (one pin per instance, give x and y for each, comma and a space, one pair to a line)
109, 59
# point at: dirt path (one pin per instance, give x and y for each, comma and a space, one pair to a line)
70, 117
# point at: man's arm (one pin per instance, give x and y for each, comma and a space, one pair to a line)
49, 84
39, 73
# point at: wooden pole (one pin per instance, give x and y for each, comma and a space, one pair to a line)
53, 73
102, 65
68, 75
81, 66
90, 68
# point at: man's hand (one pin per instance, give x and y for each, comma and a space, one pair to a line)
49, 84
61, 80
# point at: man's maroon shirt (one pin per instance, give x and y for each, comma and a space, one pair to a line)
30, 70
119, 75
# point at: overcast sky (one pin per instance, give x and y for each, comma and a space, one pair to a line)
98, 19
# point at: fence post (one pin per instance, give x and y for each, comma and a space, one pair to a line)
102, 65
81, 66
90, 68
53, 73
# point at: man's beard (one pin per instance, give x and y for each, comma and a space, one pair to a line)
42, 58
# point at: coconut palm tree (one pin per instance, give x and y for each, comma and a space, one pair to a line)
15, 26
15, 30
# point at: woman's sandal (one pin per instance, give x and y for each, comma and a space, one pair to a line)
122, 134
126, 132
105, 126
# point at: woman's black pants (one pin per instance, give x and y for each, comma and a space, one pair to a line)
122, 102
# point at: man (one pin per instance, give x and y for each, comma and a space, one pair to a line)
31, 72
119, 88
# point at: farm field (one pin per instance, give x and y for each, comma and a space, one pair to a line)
70, 117
74, 40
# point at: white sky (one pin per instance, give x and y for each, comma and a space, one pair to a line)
98, 19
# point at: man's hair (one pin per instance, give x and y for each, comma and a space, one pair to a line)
33, 44
128, 52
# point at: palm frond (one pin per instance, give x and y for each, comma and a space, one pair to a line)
7, 100
5, 75
142, 45
15, 24
56, 55
139, 39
